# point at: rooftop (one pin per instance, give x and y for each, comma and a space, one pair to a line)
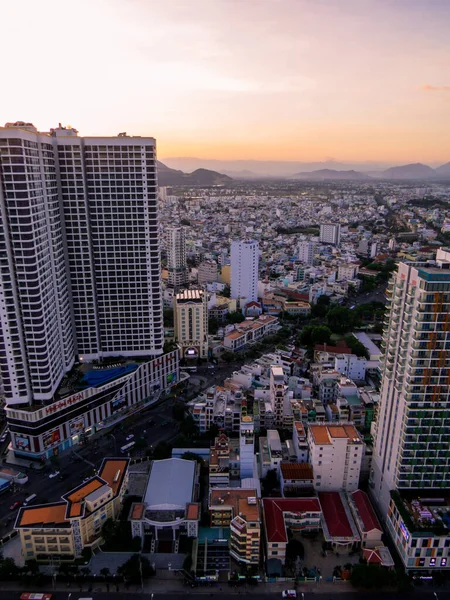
337, 519
365, 511
171, 484
274, 509
299, 471
46, 516
190, 296
236, 499
429, 512
325, 434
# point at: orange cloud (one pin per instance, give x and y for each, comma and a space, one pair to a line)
436, 88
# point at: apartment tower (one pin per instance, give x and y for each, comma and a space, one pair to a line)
79, 261
244, 270
412, 436
330, 234
178, 275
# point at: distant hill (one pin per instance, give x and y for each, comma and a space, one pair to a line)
200, 177
332, 174
443, 170
413, 171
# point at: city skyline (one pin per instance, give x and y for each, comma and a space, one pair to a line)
265, 80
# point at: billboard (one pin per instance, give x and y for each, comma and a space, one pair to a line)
51, 438
76, 426
118, 404
172, 378
23, 443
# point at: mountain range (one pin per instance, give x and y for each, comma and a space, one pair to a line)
168, 176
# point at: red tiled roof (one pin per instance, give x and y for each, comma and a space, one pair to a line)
273, 514
332, 349
366, 511
297, 471
372, 557
334, 514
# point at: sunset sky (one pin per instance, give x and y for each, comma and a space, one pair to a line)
237, 79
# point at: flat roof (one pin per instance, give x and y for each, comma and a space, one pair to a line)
171, 484
324, 434
365, 340
48, 515
230, 498
274, 509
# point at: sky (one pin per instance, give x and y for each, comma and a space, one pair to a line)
303, 80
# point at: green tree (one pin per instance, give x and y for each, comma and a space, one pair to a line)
192, 456
340, 319
226, 291
104, 572
314, 334
228, 356
136, 566
235, 317
294, 549
109, 531
270, 481
162, 450
178, 411
321, 307
189, 427
356, 347
8, 569
213, 326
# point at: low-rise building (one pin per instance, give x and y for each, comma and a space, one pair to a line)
369, 528
296, 479
281, 514
64, 528
339, 528
219, 462
249, 332
169, 508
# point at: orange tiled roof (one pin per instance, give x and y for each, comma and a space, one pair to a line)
320, 434
109, 470
51, 515
297, 471
193, 512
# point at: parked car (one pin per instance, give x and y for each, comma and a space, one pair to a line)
289, 594
54, 474
129, 437
17, 504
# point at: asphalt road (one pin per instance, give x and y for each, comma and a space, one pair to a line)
74, 470
226, 595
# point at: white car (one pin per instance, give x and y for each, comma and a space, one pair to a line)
289, 594
129, 437
54, 474
3, 438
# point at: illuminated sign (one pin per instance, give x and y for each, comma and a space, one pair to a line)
51, 438
432, 562
66, 402
404, 531
22, 443
443, 562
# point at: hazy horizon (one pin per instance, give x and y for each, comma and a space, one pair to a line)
287, 80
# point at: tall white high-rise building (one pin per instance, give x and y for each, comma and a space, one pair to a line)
246, 447
306, 252
37, 342
244, 270
81, 222
330, 234
412, 436
178, 275
278, 389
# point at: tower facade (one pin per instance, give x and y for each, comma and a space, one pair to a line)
37, 342
244, 270
330, 234
80, 261
413, 425
178, 275
306, 252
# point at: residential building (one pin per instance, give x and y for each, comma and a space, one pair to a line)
238, 510
300, 441
296, 308
207, 272
296, 479
335, 453
65, 528
250, 332
278, 390
306, 252
412, 433
191, 323
178, 275
219, 462
95, 233
244, 270
169, 509
270, 452
350, 365
297, 514
330, 234
247, 446
347, 271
